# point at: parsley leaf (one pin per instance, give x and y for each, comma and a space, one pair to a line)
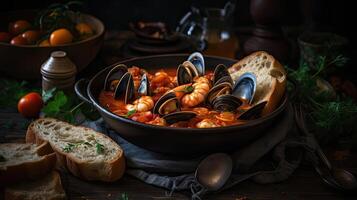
187, 89
99, 147
69, 147
129, 113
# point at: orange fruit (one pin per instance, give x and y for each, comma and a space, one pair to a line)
61, 36
44, 43
84, 29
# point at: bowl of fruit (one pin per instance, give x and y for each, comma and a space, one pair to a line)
27, 39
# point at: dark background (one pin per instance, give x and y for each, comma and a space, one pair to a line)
336, 16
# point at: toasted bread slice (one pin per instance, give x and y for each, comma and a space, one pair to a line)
84, 152
270, 74
20, 161
46, 188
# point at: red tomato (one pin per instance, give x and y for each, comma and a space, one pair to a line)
19, 26
30, 105
18, 40
5, 37
31, 36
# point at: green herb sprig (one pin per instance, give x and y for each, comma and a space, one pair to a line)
99, 148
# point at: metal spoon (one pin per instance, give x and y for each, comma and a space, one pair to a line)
337, 178
213, 171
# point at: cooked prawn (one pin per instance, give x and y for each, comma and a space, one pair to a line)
201, 86
143, 104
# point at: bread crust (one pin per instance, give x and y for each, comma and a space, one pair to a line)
278, 84
108, 171
48, 187
29, 170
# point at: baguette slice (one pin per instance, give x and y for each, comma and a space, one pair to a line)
20, 161
46, 188
84, 152
270, 74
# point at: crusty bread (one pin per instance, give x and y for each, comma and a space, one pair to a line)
84, 152
270, 74
20, 161
46, 188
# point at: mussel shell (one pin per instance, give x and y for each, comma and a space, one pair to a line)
198, 61
221, 74
245, 87
179, 116
184, 75
144, 87
116, 73
163, 100
125, 88
253, 112
218, 90
225, 79
226, 103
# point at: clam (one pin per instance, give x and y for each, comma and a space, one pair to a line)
144, 87
179, 116
113, 77
166, 104
245, 87
253, 112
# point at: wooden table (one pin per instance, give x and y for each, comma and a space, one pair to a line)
304, 184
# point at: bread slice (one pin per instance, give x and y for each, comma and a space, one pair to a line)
84, 152
20, 161
270, 74
46, 188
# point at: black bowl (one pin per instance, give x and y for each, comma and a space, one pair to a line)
179, 141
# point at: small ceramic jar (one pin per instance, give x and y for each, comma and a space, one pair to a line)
58, 71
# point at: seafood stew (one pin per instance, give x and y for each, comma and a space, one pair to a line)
188, 97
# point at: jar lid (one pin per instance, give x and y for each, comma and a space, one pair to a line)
58, 66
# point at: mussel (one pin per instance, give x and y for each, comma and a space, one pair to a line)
253, 112
166, 104
193, 67
198, 61
226, 102
113, 77
144, 87
179, 116
245, 87
222, 83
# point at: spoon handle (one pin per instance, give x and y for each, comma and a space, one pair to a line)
300, 119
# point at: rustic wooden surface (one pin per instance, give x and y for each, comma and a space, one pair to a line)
304, 184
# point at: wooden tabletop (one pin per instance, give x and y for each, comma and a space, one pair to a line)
304, 184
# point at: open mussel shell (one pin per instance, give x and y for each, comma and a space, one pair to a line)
198, 61
144, 87
221, 75
218, 90
253, 112
184, 75
113, 77
125, 89
179, 116
166, 104
226, 102
245, 87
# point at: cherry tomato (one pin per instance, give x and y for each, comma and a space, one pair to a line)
19, 26
45, 43
84, 29
30, 105
61, 36
31, 36
18, 40
5, 37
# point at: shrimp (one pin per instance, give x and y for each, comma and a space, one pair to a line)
160, 79
206, 123
143, 104
157, 121
200, 90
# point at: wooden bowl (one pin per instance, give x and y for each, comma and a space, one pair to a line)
24, 61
